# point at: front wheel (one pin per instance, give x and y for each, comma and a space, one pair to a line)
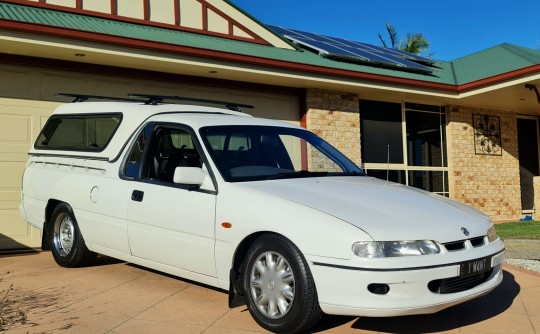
67, 244
278, 286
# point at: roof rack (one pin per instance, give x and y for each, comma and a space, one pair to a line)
83, 98
155, 99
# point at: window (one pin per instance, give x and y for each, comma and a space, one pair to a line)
433, 181
425, 138
158, 151
381, 132
255, 153
78, 132
397, 176
405, 143
133, 164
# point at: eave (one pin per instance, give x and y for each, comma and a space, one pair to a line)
312, 75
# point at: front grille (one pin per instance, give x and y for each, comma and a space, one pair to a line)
457, 284
455, 246
462, 244
477, 242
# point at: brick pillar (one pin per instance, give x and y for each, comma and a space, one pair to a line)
536, 184
335, 117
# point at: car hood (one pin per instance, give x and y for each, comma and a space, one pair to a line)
385, 210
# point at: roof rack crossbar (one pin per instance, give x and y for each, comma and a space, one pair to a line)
156, 99
84, 97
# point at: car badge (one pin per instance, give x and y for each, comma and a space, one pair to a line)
465, 231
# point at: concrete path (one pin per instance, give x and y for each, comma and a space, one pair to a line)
116, 297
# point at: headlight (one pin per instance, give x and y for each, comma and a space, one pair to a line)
492, 234
373, 249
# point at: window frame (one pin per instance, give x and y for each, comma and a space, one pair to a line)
326, 148
405, 167
156, 126
39, 147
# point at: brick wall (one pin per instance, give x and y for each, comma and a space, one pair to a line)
489, 183
335, 117
536, 185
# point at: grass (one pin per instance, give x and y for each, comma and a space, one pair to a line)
525, 229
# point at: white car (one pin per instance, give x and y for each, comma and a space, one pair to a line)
264, 209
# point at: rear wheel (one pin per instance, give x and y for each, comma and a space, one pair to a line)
278, 286
67, 244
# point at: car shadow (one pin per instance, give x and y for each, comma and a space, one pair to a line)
157, 272
104, 260
471, 312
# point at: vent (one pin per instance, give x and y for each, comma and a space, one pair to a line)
462, 244
455, 246
477, 242
457, 284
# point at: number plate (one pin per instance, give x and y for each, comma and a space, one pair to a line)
474, 267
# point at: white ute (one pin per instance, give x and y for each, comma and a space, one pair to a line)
261, 208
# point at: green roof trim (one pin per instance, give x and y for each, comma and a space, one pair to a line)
487, 63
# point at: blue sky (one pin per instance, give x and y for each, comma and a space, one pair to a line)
453, 28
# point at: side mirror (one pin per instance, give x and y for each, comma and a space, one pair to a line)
189, 175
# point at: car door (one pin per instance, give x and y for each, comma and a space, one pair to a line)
171, 224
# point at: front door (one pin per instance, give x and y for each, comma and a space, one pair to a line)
169, 223
528, 159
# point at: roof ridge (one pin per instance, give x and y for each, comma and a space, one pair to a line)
525, 53
478, 52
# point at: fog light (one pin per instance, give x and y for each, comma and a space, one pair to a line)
378, 289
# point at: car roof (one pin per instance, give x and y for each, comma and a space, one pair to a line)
136, 113
199, 120
94, 107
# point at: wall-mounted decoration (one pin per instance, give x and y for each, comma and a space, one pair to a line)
487, 135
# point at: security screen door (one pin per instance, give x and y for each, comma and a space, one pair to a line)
528, 159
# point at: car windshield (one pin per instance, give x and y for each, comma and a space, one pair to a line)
255, 153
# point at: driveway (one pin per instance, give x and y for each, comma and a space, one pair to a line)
118, 297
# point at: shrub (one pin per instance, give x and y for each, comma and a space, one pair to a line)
10, 313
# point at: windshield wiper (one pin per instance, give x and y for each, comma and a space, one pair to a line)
351, 174
299, 174
305, 173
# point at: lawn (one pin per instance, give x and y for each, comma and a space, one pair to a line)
523, 229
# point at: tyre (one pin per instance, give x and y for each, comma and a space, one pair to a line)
278, 286
67, 244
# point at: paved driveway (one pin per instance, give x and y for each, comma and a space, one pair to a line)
117, 297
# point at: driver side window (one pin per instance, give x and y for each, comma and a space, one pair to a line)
169, 148
133, 164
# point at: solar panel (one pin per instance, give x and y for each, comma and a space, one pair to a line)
339, 48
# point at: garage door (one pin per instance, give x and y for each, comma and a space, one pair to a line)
22, 118
20, 122
268, 105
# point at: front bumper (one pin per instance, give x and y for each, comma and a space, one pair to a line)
344, 290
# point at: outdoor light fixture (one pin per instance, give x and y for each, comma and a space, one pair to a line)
535, 90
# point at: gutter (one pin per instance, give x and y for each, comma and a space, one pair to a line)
261, 61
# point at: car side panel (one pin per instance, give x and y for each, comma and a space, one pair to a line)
251, 212
87, 186
173, 226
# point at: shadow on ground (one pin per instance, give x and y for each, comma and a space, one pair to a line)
474, 311
103, 260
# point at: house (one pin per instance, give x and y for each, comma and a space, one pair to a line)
466, 129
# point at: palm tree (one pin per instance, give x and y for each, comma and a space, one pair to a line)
415, 43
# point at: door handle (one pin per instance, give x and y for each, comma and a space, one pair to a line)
137, 195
